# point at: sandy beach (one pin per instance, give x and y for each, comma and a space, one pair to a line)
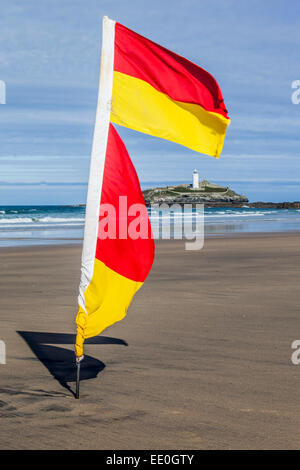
202, 360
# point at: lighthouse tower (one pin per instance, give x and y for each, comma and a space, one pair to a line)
195, 179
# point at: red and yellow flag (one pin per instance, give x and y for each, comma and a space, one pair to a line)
145, 87
158, 92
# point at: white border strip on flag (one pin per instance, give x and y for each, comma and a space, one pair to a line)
97, 158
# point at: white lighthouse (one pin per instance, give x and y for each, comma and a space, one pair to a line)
195, 179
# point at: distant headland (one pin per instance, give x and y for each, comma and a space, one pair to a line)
209, 194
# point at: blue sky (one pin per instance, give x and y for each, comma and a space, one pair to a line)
49, 60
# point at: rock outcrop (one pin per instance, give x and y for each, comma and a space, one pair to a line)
212, 195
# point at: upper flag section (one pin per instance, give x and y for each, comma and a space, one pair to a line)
160, 93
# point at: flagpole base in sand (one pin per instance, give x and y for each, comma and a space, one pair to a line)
78, 361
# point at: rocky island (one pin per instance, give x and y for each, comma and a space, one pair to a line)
209, 194
212, 195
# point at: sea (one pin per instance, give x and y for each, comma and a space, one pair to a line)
50, 225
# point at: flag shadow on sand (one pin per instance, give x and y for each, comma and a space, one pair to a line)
60, 362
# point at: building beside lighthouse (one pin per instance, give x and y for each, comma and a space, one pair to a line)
195, 179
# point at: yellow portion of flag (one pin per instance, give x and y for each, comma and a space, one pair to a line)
139, 106
107, 299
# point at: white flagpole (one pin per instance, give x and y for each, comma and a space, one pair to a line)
97, 157
97, 166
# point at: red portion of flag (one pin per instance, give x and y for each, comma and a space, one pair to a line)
166, 71
121, 195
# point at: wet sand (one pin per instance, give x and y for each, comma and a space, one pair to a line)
202, 361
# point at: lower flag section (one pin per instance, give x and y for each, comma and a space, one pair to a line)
124, 247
